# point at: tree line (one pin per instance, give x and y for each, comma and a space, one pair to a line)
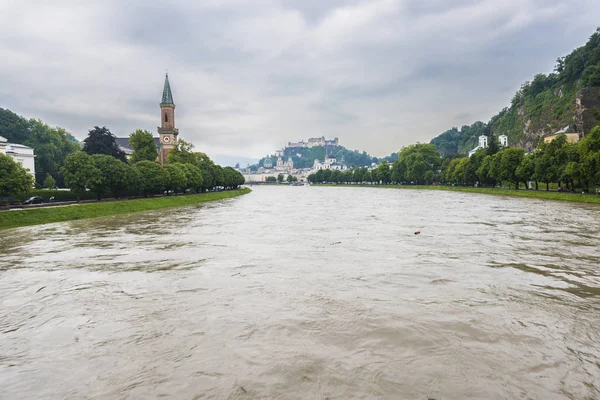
102, 168
576, 166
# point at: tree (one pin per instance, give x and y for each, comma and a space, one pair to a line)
117, 177
510, 160
181, 153
589, 152
207, 167
175, 177
80, 173
102, 141
144, 146
49, 182
270, 179
413, 163
14, 179
280, 178
493, 145
151, 178
194, 177
526, 170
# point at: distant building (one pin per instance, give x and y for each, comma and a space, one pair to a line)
268, 163
569, 131
314, 142
483, 143
22, 154
331, 163
503, 140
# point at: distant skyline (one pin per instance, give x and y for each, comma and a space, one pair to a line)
247, 77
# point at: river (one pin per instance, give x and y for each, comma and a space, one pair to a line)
307, 293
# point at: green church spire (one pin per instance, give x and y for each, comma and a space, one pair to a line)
167, 97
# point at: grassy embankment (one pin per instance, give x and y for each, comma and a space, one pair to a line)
535, 194
45, 215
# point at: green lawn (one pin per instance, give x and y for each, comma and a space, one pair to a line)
45, 215
537, 194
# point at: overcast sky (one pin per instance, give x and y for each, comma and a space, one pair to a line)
250, 75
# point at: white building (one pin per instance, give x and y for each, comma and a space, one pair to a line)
330, 162
503, 140
22, 154
483, 143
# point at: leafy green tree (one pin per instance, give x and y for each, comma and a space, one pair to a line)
231, 177
280, 178
589, 152
151, 179
80, 173
270, 179
413, 163
14, 179
526, 170
290, 178
118, 178
218, 174
510, 160
493, 145
429, 177
207, 166
102, 141
182, 153
49, 182
194, 177
144, 146
175, 177
383, 173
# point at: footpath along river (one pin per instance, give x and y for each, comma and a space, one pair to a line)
307, 293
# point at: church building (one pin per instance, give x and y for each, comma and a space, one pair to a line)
167, 133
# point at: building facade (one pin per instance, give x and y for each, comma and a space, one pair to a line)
22, 154
483, 143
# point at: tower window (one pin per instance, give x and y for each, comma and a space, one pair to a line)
166, 118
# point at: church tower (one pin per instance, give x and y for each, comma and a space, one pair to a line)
167, 132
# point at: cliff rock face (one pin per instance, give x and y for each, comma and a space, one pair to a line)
577, 110
587, 109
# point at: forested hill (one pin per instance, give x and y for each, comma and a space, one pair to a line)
51, 144
568, 96
305, 157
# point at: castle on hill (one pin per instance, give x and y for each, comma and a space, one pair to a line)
313, 142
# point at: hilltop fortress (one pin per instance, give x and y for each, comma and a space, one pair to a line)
314, 142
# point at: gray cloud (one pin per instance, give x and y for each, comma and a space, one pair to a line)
248, 77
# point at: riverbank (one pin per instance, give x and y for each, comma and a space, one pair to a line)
38, 216
535, 194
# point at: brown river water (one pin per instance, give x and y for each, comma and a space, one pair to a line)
307, 293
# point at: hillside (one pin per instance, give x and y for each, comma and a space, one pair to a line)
305, 157
568, 96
